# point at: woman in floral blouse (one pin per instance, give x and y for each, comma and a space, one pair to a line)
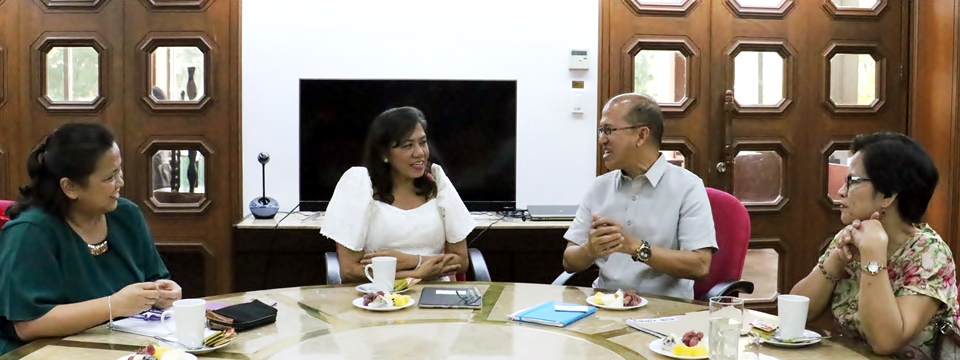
888, 279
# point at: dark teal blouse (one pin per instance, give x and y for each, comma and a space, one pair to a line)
44, 263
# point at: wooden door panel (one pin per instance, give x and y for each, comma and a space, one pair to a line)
10, 135
189, 226
43, 28
625, 31
193, 237
812, 120
790, 141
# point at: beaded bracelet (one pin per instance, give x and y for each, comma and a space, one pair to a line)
825, 274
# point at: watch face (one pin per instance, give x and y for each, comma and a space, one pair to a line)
644, 253
873, 267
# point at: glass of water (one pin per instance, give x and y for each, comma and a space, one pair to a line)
726, 320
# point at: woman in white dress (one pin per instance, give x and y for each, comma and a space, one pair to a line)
398, 204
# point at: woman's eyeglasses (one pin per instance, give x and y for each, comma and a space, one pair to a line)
851, 180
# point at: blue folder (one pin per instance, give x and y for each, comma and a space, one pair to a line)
546, 315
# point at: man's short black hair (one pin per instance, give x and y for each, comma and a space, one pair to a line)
647, 113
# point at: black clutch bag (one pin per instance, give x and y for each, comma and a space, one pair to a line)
242, 317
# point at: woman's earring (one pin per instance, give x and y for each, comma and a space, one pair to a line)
385, 160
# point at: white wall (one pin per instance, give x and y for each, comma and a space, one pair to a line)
526, 40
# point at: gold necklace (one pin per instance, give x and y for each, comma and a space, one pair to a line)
95, 249
98, 249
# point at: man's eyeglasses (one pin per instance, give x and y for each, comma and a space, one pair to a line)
605, 130
851, 180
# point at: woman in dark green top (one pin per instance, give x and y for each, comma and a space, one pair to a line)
75, 254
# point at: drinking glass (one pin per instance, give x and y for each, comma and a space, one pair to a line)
726, 320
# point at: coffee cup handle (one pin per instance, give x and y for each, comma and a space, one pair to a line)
163, 320
366, 271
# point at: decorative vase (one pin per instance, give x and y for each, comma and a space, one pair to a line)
175, 171
191, 84
192, 170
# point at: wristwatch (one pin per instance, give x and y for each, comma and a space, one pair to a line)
642, 254
873, 268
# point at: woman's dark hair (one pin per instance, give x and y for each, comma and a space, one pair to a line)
71, 151
389, 130
897, 164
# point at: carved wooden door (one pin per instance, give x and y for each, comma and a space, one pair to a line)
762, 98
163, 75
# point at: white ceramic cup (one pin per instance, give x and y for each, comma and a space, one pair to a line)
792, 313
384, 272
190, 320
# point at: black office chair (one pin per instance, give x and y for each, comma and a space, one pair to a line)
476, 272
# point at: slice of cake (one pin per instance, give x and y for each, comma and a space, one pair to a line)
381, 301
669, 342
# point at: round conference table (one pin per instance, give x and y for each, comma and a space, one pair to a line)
320, 322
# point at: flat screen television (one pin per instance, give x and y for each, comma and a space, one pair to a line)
471, 132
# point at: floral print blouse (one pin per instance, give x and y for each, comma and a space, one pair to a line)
922, 266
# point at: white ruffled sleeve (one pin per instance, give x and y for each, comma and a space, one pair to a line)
348, 214
457, 221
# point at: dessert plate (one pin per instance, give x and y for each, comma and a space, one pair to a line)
643, 301
368, 288
809, 338
205, 349
655, 346
358, 302
187, 357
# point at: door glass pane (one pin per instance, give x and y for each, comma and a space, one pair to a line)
853, 79
758, 78
760, 3
862, 4
837, 170
674, 157
177, 73
73, 74
757, 176
178, 176
661, 74
762, 268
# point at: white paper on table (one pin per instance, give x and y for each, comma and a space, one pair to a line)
151, 328
655, 320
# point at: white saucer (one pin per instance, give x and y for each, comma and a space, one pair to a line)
368, 288
806, 333
358, 302
205, 349
643, 301
188, 357
655, 347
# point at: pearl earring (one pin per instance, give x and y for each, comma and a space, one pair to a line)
385, 160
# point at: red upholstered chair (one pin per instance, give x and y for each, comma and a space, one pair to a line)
4, 204
732, 224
